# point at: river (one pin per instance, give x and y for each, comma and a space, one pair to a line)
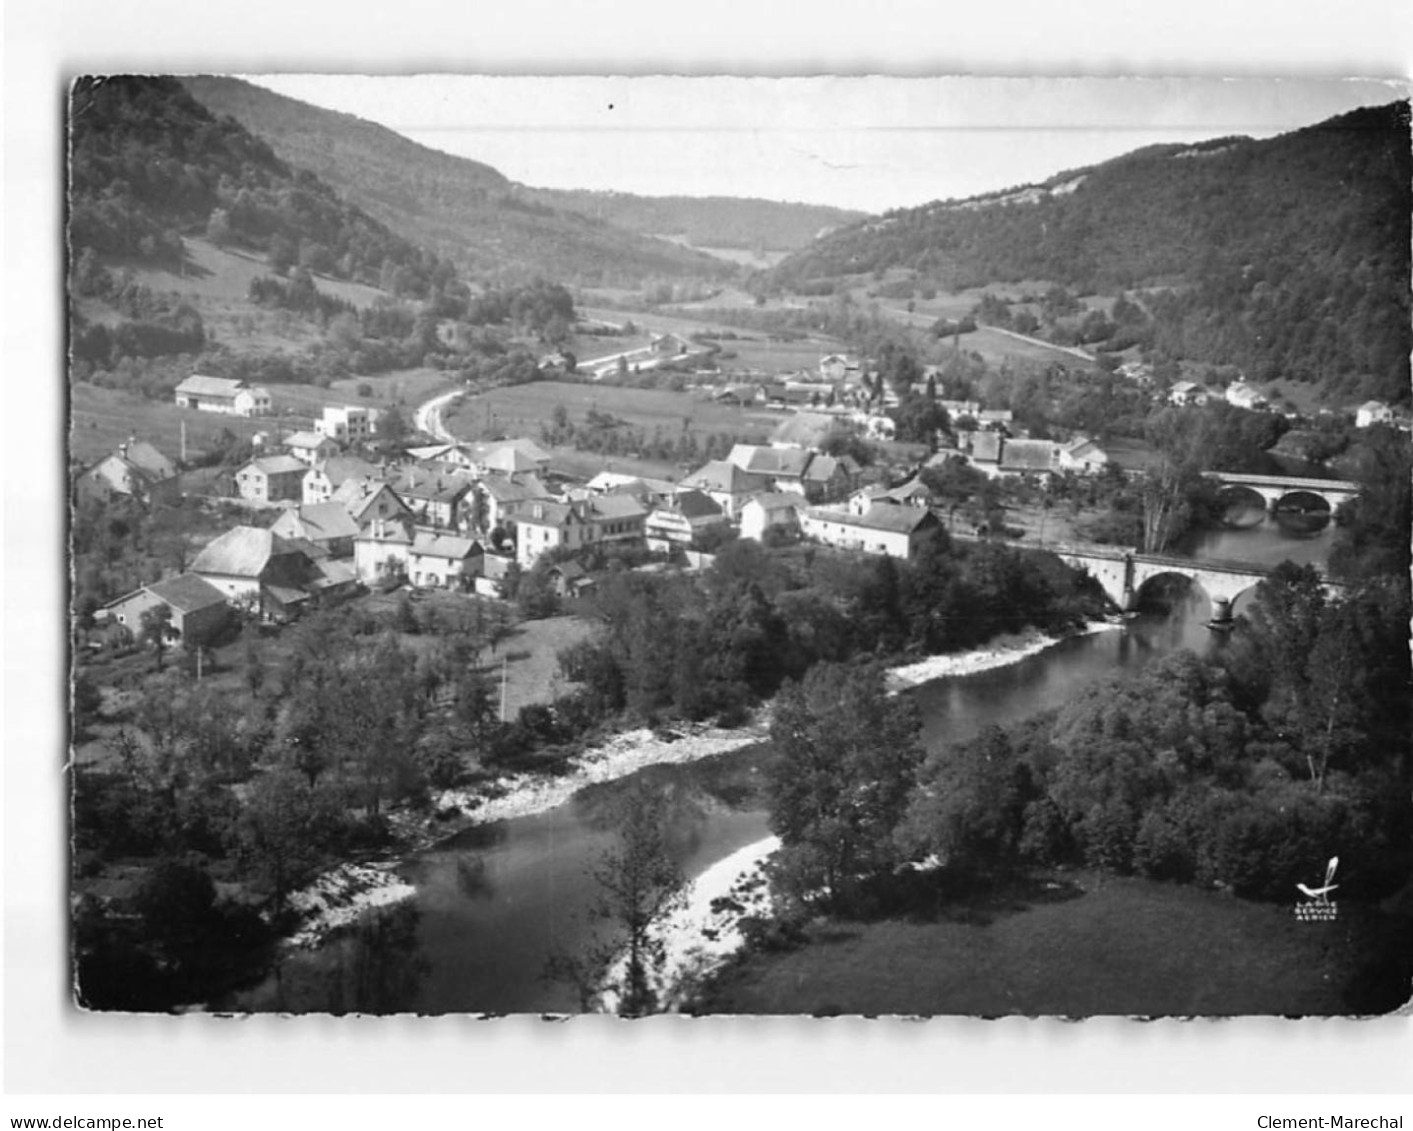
495, 902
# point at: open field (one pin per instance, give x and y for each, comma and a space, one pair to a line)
1078, 946
996, 347
103, 418
519, 410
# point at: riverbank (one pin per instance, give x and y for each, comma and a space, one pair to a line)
339, 896
705, 932
1002, 652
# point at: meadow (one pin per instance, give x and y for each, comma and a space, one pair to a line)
519, 410
1078, 945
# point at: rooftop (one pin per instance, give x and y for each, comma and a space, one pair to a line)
187, 593
242, 551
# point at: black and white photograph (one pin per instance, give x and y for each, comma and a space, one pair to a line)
812, 547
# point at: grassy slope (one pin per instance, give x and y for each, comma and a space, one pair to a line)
1124, 946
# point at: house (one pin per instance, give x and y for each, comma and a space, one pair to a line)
983, 449
325, 478
682, 521
247, 564
740, 395
726, 485
775, 510
995, 417
368, 500
224, 395
347, 424
807, 430
1082, 455
670, 345
1027, 457
896, 531
498, 499
434, 500
913, 493
615, 518
443, 561
327, 525
1245, 395
381, 549
198, 609
546, 525
783, 467
830, 477
503, 457
836, 368
645, 488
568, 579
136, 470
1372, 412
272, 479
1189, 393
310, 447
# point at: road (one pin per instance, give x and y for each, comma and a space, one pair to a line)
428, 417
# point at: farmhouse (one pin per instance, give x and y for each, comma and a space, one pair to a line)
1245, 395
1027, 457
136, 470
1372, 412
896, 531
783, 467
272, 479
327, 525
224, 395
198, 609
1189, 393
1082, 455
913, 493
257, 568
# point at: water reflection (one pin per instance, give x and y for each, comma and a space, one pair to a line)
494, 902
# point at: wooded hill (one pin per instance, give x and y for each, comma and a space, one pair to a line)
748, 223
464, 209
1287, 257
148, 164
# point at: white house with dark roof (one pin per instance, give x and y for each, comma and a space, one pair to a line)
546, 525
773, 510
246, 560
328, 475
443, 561
310, 447
1372, 412
368, 500
381, 548
885, 529
225, 395
682, 521
272, 479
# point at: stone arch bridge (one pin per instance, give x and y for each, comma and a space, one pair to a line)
1277, 489
1122, 573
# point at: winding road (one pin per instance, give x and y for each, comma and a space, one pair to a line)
428, 415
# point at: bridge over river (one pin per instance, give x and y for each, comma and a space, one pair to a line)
1275, 491
1124, 572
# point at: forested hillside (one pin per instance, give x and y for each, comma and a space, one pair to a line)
1287, 257
464, 209
705, 221
149, 164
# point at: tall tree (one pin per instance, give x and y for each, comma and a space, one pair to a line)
846, 760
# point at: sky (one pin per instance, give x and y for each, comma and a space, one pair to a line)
867, 143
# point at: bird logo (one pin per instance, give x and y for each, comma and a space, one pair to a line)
1320, 906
